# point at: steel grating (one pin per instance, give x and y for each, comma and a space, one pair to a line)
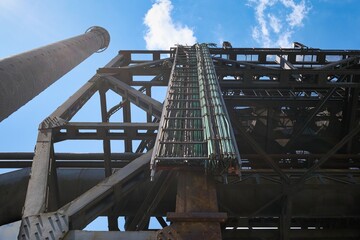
194, 128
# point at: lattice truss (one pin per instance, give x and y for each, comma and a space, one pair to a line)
195, 128
294, 115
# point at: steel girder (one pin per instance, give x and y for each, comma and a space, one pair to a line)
42, 194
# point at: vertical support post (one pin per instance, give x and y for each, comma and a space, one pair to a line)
127, 118
148, 115
285, 217
196, 215
53, 191
269, 128
352, 104
37, 193
112, 219
106, 142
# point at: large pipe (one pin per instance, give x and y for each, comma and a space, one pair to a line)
314, 200
25, 75
13, 186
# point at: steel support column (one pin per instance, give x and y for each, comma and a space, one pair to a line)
37, 193
196, 215
285, 217
112, 218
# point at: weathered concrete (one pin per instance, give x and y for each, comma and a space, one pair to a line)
24, 76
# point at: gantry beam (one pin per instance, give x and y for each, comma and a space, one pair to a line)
119, 131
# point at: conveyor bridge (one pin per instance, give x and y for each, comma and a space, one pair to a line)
195, 129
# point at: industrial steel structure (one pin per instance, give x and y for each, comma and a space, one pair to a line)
292, 114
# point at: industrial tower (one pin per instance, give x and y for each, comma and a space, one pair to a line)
249, 143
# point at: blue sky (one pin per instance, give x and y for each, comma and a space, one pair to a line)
139, 24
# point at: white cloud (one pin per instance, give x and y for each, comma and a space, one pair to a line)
261, 32
284, 40
275, 23
162, 32
298, 12
277, 20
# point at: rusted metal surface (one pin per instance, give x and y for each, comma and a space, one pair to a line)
195, 193
196, 215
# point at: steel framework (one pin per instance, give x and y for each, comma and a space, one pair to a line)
295, 118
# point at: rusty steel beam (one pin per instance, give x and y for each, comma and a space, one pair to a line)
24, 76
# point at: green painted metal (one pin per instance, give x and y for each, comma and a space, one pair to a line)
194, 128
222, 149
